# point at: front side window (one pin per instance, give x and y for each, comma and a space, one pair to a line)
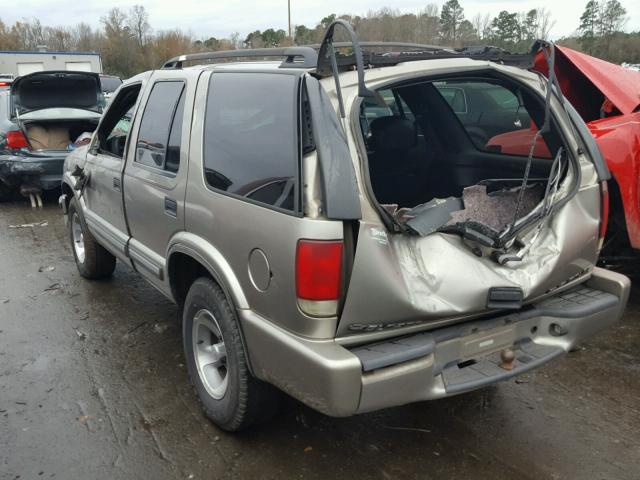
154, 148
250, 137
114, 129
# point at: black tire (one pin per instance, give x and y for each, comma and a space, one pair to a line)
245, 400
98, 262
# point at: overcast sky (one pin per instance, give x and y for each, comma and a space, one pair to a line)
217, 18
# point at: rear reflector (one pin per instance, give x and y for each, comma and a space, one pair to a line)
604, 212
318, 269
16, 139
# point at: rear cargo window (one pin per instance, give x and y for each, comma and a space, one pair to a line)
250, 138
162, 106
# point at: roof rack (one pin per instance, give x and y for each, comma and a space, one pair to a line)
388, 45
295, 57
416, 52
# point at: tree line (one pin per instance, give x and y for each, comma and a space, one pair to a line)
129, 45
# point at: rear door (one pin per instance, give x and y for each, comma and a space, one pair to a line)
156, 172
244, 189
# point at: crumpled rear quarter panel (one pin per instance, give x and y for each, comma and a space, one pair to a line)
435, 280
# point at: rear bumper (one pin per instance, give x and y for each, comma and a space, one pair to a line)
340, 382
44, 172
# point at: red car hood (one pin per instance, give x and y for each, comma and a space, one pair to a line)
618, 84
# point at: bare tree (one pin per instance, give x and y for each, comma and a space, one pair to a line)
545, 23
482, 25
28, 33
138, 23
114, 23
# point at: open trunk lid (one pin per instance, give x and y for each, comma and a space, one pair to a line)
56, 89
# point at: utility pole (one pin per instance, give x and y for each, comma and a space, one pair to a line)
289, 11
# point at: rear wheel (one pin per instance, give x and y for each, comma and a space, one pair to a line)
92, 259
231, 397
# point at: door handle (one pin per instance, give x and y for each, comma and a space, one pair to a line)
116, 184
170, 207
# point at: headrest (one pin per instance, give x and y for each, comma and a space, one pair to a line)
393, 133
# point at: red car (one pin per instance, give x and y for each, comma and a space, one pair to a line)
607, 97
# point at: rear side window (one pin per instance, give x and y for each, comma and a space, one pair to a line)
250, 139
161, 127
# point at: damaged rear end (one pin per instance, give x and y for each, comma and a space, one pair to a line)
459, 230
42, 118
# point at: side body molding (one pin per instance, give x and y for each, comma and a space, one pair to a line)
205, 253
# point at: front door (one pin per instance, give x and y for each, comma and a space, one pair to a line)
102, 194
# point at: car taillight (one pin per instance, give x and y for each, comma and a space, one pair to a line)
604, 212
16, 140
318, 276
4, 84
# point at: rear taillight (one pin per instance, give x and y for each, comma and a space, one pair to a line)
4, 84
604, 213
318, 276
16, 140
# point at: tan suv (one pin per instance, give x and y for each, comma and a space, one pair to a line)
337, 232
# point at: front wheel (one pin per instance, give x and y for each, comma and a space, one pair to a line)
231, 397
92, 259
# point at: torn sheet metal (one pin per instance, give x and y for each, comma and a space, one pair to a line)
429, 217
495, 210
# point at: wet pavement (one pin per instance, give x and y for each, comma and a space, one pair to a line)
93, 386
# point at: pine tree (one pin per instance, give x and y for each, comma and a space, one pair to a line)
450, 18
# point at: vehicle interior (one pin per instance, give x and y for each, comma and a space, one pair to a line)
422, 138
114, 130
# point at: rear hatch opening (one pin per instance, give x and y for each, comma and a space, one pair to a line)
464, 155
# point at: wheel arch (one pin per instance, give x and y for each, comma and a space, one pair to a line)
68, 191
190, 256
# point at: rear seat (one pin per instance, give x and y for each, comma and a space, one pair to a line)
48, 138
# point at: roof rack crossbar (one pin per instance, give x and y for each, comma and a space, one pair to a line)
295, 57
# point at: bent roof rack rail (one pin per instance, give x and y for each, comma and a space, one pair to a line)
295, 57
328, 65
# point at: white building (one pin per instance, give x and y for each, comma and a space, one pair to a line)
19, 63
